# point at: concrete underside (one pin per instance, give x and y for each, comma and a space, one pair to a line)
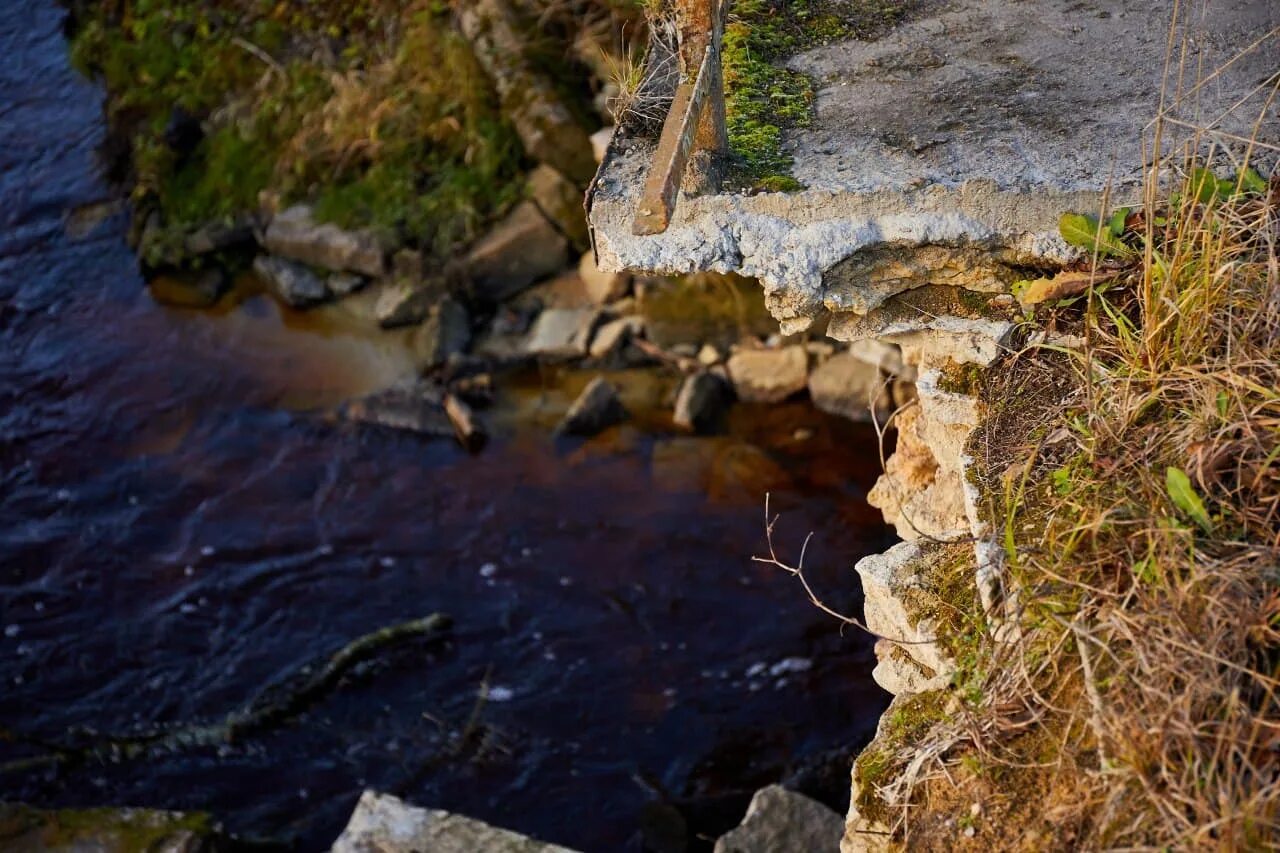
968, 129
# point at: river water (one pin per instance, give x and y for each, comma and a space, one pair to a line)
181, 526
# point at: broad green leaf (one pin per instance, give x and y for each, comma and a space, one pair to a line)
1204, 185
1082, 230
1118, 217
1184, 497
1223, 402
1251, 181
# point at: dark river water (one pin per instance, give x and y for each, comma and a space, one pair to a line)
179, 528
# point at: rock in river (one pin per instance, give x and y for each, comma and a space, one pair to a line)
769, 375
562, 332
781, 820
294, 234
382, 823
597, 407
294, 283
445, 333
701, 402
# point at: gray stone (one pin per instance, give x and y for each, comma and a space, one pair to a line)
295, 284
701, 403
521, 249
769, 375
382, 823
612, 335
562, 332
218, 236
403, 303
849, 386
445, 334
782, 821
953, 129
294, 233
412, 406
560, 201
597, 408
602, 286
345, 283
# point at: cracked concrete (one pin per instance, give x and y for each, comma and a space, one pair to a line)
973, 125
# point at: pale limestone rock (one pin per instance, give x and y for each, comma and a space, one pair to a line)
782, 821
521, 249
848, 386
402, 303
600, 141
382, 823
886, 580
294, 234
613, 334
769, 375
602, 286
562, 332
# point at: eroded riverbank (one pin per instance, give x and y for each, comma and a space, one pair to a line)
178, 529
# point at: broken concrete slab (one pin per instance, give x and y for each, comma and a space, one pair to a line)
972, 125
780, 820
382, 823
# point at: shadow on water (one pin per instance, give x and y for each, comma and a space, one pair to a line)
176, 531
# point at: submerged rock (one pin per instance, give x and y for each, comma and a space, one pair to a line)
769, 375
294, 233
701, 403
106, 829
614, 334
521, 249
597, 408
382, 823
184, 289
295, 284
779, 820
413, 406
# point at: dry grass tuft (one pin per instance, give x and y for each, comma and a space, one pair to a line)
1132, 700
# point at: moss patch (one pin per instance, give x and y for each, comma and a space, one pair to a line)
762, 97
342, 104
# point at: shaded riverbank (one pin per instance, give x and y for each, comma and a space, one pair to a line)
177, 531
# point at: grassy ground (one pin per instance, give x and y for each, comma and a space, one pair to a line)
1130, 698
376, 111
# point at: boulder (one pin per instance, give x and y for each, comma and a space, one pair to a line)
709, 355
602, 286
562, 332
345, 283
403, 303
597, 408
219, 236
382, 823
769, 375
701, 403
412, 405
851, 387
612, 335
446, 333
295, 284
521, 249
294, 233
779, 820
560, 201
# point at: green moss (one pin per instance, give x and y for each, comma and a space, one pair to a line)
762, 97
907, 721
956, 378
311, 101
117, 829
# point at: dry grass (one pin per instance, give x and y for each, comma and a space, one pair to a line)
1131, 702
